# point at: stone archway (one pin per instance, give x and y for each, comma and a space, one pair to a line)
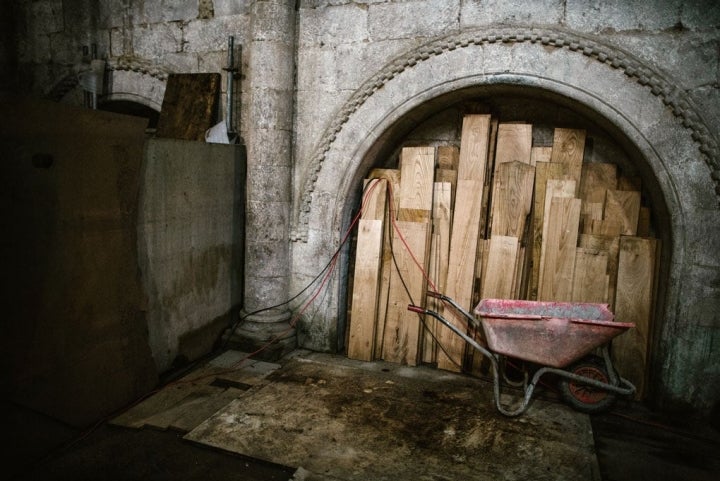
649, 114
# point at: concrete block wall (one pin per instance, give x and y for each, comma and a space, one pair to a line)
190, 241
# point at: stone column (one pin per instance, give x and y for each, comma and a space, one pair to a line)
268, 136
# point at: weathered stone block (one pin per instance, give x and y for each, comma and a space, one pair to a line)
212, 35
271, 109
265, 183
153, 41
493, 12
231, 7
330, 26
428, 18
619, 15
156, 11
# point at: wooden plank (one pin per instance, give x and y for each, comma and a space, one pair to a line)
514, 144
554, 188
590, 276
590, 211
606, 227
635, 303
448, 157
502, 253
568, 148
595, 179
474, 143
190, 106
623, 207
485, 215
439, 257
366, 282
540, 154
402, 327
629, 182
512, 198
543, 172
560, 240
611, 245
194, 408
393, 178
374, 197
461, 265
417, 171
644, 229
450, 176
428, 324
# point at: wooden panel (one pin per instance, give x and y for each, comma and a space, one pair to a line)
554, 188
461, 266
484, 214
643, 229
568, 148
512, 198
374, 197
417, 171
402, 327
606, 227
590, 276
634, 303
611, 245
450, 176
559, 243
514, 143
595, 179
366, 281
623, 207
439, 258
393, 178
540, 154
190, 106
632, 182
448, 157
591, 211
474, 148
502, 253
543, 172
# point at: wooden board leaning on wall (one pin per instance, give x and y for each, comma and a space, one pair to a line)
498, 217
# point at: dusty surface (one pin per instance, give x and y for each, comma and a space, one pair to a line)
376, 421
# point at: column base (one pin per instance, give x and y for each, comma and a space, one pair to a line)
269, 333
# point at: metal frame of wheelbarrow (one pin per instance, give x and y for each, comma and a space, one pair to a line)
617, 385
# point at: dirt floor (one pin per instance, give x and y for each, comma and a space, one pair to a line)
630, 442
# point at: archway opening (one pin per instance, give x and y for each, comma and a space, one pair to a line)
438, 123
128, 107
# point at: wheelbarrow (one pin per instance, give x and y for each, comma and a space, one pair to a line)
558, 338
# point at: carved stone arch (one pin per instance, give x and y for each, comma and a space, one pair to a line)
136, 81
545, 40
649, 114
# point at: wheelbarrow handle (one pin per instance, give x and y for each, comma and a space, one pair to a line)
458, 307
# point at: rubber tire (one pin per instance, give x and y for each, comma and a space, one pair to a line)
585, 398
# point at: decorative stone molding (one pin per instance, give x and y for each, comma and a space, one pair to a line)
138, 65
670, 94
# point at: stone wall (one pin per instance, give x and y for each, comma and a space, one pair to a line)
368, 72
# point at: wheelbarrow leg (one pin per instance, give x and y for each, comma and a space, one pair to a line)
493, 361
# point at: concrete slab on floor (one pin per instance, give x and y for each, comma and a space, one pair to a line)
334, 418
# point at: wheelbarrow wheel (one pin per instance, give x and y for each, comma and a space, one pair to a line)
583, 397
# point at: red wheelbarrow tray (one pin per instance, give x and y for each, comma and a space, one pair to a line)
554, 334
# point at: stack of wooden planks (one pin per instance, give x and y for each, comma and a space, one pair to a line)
497, 217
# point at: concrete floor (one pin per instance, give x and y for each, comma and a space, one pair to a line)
629, 443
